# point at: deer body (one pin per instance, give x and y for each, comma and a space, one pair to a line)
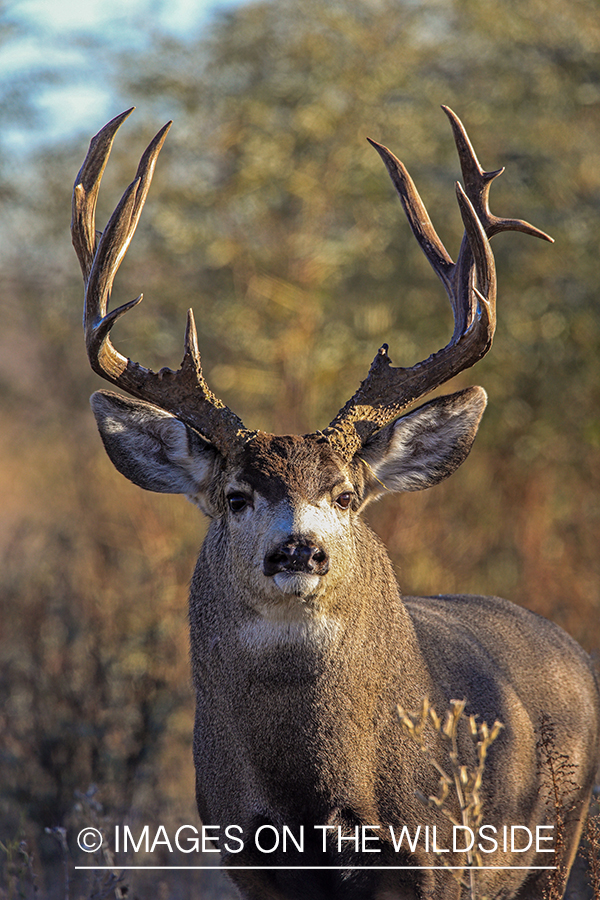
302, 647
315, 741
308, 690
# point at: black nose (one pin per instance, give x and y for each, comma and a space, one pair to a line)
296, 556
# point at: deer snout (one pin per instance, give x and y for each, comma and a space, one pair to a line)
296, 556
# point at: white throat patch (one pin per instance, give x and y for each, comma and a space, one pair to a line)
265, 633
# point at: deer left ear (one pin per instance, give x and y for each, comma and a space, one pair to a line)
427, 445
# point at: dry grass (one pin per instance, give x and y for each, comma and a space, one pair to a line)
463, 784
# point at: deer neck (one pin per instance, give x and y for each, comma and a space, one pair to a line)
327, 649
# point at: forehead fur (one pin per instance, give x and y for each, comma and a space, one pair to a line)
277, 465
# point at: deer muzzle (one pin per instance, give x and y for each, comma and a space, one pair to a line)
299, 556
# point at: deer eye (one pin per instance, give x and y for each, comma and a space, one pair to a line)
237, 502
344, 500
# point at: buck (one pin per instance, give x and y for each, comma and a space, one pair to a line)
302, 646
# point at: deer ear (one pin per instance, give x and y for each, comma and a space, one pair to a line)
427, 445
153, 448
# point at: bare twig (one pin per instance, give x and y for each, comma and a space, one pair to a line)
465, 781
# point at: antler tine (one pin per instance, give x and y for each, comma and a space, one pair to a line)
477, 188
100, 260
185, 392
478, 182
471, 287
85, 193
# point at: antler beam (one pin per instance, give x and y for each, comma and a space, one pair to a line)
470, 283
183, 393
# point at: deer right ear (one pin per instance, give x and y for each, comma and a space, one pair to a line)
153, 448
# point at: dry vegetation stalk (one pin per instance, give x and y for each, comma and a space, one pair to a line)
556, 771
466, 782
591, 853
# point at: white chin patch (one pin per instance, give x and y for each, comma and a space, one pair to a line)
300, 584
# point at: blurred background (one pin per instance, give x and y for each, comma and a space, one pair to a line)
272, 216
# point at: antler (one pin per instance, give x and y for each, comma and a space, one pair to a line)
470, 283
387, 391
185, 392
